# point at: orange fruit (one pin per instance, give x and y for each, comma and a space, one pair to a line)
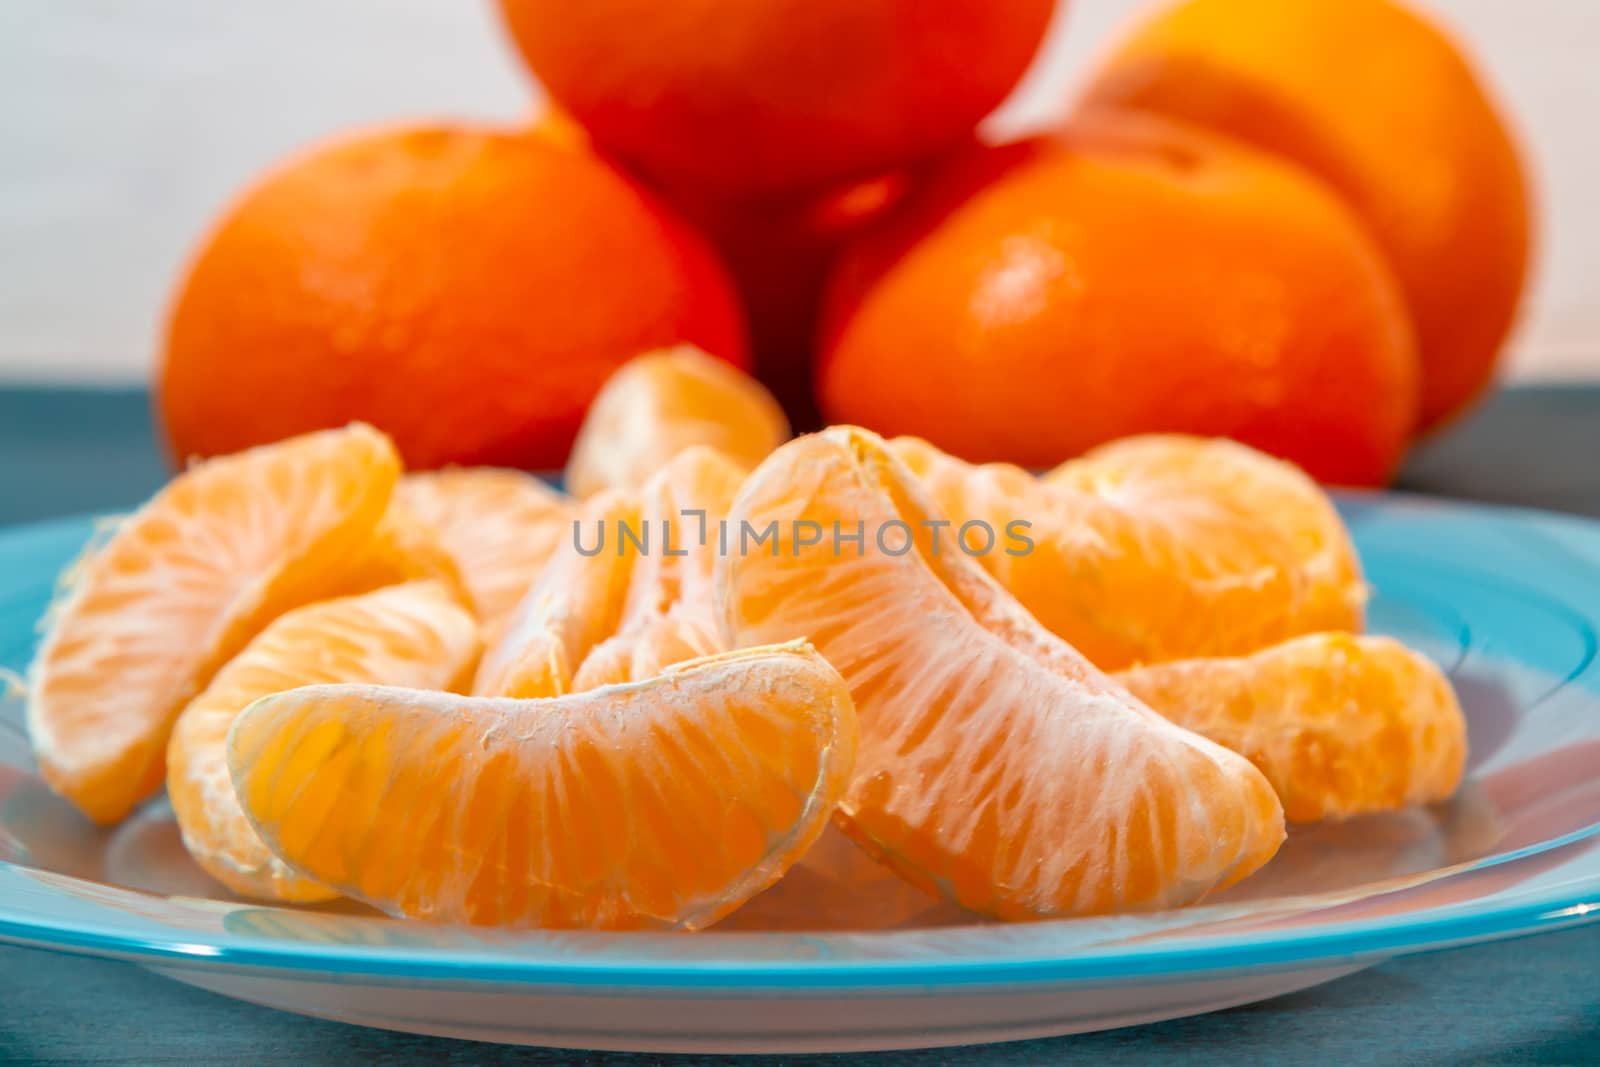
1410, 135
1285, 504
182, 585
668, 614
1139, 275
768, 95
1155, 548
498, 527
1340, 725
412, 635
402, 548
575, 604
630, 595
661, 403
997, 766
665, 803
779, 249
420, 279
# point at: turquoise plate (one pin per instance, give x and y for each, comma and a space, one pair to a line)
1507, 601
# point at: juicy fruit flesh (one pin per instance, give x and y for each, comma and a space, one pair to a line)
621, 607
180, 586
662, 804
499, 527
1160, 547
1340, 725
573, 606
659, 404
997, 766
412, 635
1285, 504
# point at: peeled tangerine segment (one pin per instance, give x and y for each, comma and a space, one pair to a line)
1340, 725
499, 528
634, 598
997, 765
413, 635
1160, 547
660, 403
659, 804
183, 584
574, 606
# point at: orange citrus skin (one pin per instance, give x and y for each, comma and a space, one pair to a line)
412, 635
997, 766
420, 279
1129, 276
183, 584
1409, 134
662, 403
661, 804
779, 249
770, 95
1340, 725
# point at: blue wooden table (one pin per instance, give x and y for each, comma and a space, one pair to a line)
1527, 1001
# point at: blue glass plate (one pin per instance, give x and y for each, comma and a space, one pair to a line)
1507, 601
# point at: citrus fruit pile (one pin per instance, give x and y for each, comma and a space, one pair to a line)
1233, 231
463, 696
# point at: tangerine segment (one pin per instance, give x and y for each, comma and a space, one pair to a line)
658, 404
631, 595
1156, 548
180, 587
1286, 501
647, 647
997, 765
413, 635
402, 548
1340, 725
664, 803
500, 527
681, 508
575, 605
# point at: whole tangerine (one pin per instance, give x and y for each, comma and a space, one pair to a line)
1131, 275
466, 290
766, 95
779, 250
1383, 104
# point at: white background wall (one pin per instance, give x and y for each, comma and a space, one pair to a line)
125, 125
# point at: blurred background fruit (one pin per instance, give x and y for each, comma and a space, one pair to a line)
1128, 275
470, 295
777, 94
778, 247
465, 289
779, 250
1385, 105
